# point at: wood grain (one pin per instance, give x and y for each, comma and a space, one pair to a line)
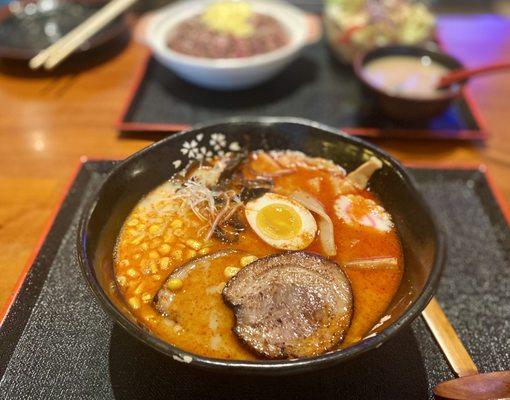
448, 340
47, 121
493, 385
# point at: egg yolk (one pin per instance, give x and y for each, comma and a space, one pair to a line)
279, 221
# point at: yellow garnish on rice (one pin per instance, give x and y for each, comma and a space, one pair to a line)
229, 17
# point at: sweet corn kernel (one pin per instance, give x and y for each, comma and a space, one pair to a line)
169, 237
177, 254
247, 260
179, 232
176, 223
204, 251
132, 232
137, 257
137, 240
194, 244
153, 254
134, 302
153, 229
121, 280
138, 289
144, 246
124, 263
156, 242
174, 284
132, 222
146, 297
133, 273
156, 277
154, 267
164, 262
191, 253
164, 249
230, 272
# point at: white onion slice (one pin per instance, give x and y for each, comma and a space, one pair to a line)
361, 175
327, 235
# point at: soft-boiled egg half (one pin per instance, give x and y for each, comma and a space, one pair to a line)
281, 222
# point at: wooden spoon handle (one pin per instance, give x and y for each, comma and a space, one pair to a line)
448, 340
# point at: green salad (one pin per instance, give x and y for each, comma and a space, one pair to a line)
363, 24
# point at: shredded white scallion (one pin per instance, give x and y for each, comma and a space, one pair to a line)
213, 207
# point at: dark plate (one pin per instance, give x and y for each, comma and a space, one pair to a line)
137, 175
27, 27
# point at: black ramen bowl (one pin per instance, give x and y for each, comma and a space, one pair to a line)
406, 108
134, 177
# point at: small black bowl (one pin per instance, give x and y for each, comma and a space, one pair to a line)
407, 108
29, 26
133, 178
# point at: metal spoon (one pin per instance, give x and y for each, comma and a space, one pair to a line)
470, 385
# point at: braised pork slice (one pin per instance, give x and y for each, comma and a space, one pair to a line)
289, 305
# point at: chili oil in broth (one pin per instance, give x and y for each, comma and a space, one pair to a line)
160, 235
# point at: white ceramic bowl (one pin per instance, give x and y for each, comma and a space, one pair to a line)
227, 74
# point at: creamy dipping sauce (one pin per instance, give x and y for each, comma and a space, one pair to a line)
406, 76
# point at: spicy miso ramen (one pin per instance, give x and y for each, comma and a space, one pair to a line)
260, 255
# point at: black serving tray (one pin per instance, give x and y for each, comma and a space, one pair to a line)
315, 86
56, 342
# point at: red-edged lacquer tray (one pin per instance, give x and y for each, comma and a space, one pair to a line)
56, 342
315, 87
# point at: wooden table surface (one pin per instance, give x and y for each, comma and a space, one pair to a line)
47, 122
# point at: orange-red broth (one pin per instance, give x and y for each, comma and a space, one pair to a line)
151, 245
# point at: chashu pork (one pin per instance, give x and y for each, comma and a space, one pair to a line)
290, 305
